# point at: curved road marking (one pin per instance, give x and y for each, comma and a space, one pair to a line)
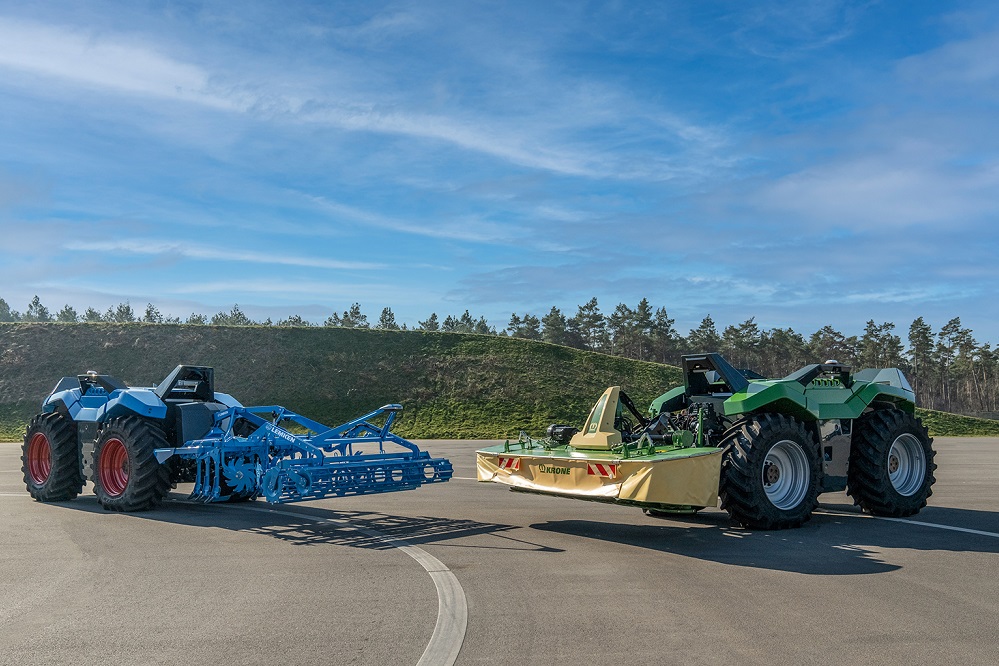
452, 609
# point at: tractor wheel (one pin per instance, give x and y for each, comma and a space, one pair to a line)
127, 476
50, 459
891, 464
770, 472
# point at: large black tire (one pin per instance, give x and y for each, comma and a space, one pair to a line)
770, 472
127, 476
891, 463
50, 459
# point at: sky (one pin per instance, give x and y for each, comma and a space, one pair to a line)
812, 163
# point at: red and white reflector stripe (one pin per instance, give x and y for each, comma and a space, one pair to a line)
601, 469
509, 463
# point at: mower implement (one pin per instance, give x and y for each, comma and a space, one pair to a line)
765, 447
597, 464
135, 443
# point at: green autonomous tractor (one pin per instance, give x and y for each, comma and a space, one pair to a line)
765, 447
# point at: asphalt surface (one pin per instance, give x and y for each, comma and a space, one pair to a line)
546, 580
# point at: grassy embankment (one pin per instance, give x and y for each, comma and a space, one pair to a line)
452, 385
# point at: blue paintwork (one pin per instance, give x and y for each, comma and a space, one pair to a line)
307, 461
85, 407
99, 406
141, 402
283, 466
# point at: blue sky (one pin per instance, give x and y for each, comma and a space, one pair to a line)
807, 163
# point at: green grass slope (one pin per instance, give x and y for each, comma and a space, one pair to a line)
461, 386
943, 424
451, 385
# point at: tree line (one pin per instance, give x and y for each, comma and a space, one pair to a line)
949, 369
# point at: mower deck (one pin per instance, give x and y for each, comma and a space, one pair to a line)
656, 477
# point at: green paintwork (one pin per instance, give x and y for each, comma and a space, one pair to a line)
672, 394
822, 399
540, 449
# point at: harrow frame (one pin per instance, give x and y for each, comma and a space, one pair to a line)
250, 452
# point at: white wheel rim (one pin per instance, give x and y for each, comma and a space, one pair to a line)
786, 474
906, 464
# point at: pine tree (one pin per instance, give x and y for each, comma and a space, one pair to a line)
122, 314
36, 311
704, 338
531, 329
591, 326
620, 329
234, 317
386, 321
921, 358
741, 344
431, 324
152, 315
68, 314
782, 351
554, 330
828, 344
516, 323
879, 347
294, 320
665, 339
354, 318
482, 327
465, 323
6, 314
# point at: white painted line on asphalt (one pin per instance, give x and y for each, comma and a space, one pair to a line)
15, 495
452, 608
952, 528
941, 527
465, 478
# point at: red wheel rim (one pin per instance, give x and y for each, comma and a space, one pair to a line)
113, 468
39, 458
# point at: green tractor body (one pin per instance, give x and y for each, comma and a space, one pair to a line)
765, 447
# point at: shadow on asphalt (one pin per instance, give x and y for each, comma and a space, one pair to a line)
829, 544
368, 530
312, 526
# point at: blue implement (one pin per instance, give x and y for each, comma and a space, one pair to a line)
285, 457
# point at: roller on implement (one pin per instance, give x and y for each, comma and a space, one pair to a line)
766, 448
135, 443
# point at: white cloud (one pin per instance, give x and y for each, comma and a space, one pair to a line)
466, 229
966, 62
295, 290
862, 192
183, 250
94, 60
538, 136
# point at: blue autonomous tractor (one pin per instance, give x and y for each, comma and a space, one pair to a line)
135, 444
